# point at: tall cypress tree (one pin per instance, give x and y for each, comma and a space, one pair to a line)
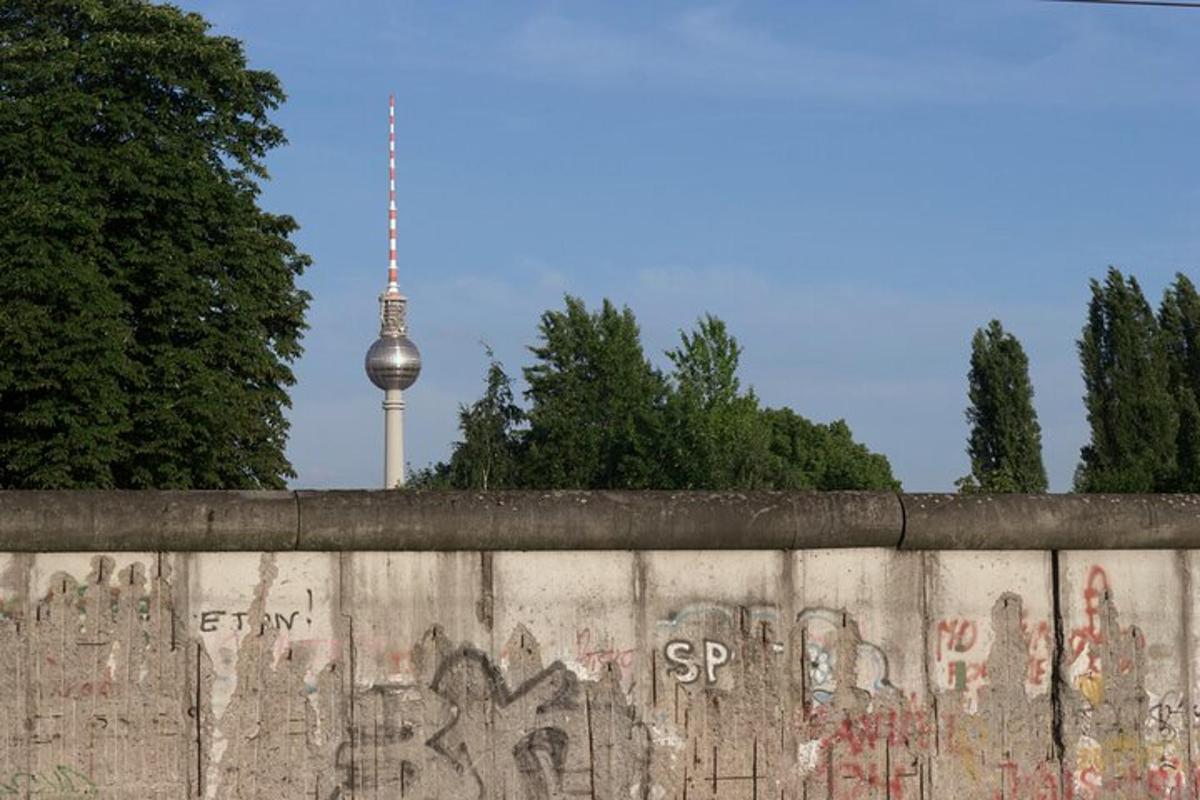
1005, 443
1179, 318
1129, 404
148, 306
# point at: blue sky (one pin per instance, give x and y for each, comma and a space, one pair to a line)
853, 186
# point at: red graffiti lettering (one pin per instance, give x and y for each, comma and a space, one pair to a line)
596, 658
1095, 591
956, 635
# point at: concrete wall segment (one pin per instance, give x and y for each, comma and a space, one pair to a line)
113, 521
1050, 522
881, 590
15, 743
583, 607
1189, 562
963, 590
103, 686
392, 601
861, 709
838, 673
96, 521
1125, 667
608, 520
715, 686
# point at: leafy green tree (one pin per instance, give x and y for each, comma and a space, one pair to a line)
1179, 319
150, 312
811, 455
64, 368
715, 435
1129, 403
1005, 443
488, 455
601, 417
595, 403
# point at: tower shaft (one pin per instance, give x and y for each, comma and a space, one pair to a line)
393, 439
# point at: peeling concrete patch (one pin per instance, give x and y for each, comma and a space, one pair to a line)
98, 686
273, 737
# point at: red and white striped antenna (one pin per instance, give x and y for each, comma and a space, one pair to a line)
393, 286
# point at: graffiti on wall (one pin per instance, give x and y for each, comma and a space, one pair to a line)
852, 732
465, 731
595, 653
1121, 737
61, 780
716, 700
821, 629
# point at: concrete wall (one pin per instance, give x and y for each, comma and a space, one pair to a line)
324, 646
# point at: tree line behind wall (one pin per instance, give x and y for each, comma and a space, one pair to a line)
1141, 373
600, 416
150, 315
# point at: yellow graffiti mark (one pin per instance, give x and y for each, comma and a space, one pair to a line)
968, 739
1092, 687
1089, 755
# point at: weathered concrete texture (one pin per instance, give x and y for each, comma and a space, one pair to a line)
556, 521
99, 693
1050, 522
991, 665
866, 673
113, 521
1126, 666
410, 520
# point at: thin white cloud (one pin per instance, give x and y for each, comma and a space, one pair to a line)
713, 52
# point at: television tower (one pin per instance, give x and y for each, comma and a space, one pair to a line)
393, 362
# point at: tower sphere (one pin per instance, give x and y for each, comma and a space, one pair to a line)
393, 362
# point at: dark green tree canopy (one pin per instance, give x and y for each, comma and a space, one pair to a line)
601, 416
1179, 319
822, 456
593, 402
150, 306
1005, 442
1130, 408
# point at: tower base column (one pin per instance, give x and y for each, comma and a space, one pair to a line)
393, 437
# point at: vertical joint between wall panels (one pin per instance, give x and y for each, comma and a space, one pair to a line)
353, 711
199, 721
299, 521
1057, 680
29, 695
1185, 582
928, 564
485, 609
